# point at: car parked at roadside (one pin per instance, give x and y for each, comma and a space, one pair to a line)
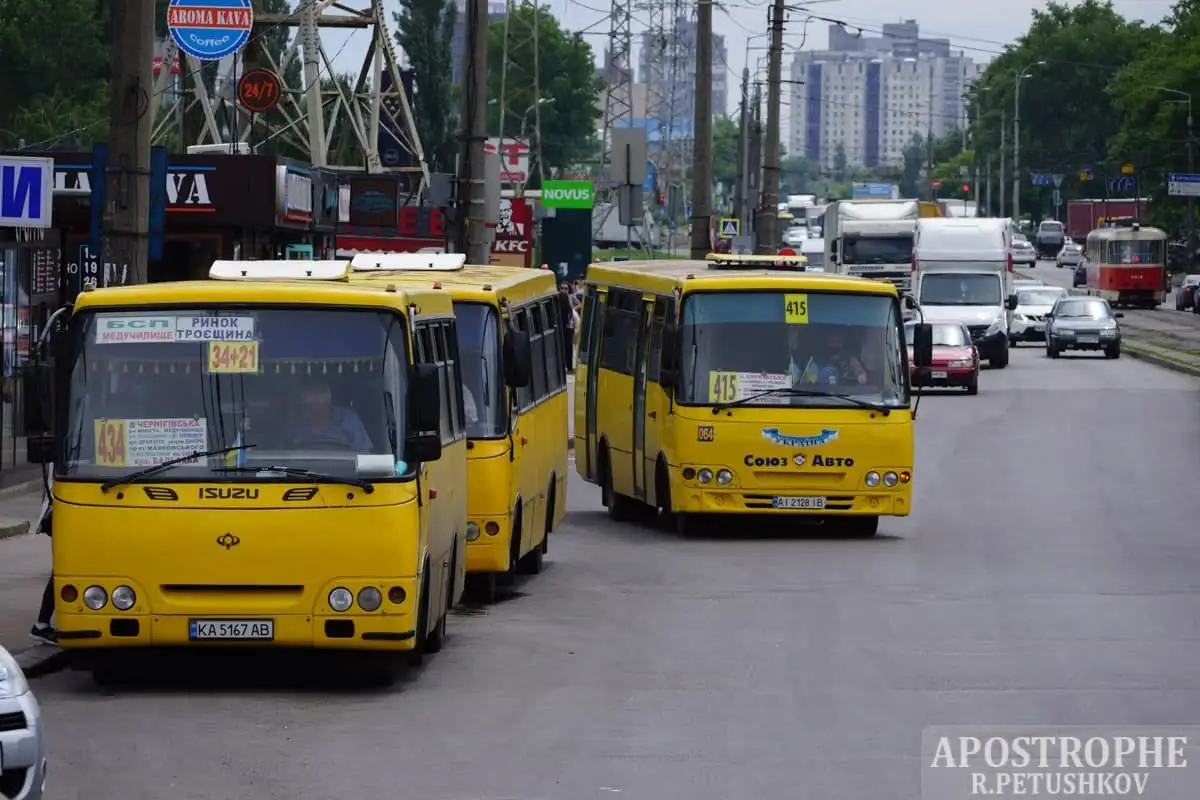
1185, 295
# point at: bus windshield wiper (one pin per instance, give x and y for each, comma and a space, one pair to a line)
305, 474
785, 391
107, 486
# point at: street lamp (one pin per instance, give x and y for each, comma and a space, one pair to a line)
1016, 187
1191, 202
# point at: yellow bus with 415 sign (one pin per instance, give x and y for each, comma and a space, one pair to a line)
744, 385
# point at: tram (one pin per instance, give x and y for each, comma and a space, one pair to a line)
1126, 265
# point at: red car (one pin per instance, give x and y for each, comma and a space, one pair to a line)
955, 359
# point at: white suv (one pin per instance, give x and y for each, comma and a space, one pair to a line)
22, 748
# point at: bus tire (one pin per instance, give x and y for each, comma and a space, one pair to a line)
481, 587
531, 562
620, 508
550, 511
416, 656
662, 495
436, 639
860, 527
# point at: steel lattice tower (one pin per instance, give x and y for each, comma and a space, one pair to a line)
314, 114
618, 72
520, 100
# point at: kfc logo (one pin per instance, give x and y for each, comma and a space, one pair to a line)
510, 246
506, 225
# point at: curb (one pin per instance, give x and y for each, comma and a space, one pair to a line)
41, 659
1159, 360
10, 529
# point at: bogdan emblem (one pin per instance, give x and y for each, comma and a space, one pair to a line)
826, 436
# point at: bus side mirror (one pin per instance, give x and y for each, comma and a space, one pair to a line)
40, 449
427, 399
37, 384
422, 448
922, 345
518, 359
1011, 302
910, 302
668, 372
834, 252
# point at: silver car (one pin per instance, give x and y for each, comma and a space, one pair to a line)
1023, 252
22, 747
1027, 322
1083, 323
1071, 255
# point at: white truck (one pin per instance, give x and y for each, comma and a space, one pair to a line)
872, 239
962, 273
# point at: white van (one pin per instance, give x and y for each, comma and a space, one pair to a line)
962, 272
814, 251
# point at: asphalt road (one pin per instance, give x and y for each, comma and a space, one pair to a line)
1049, 575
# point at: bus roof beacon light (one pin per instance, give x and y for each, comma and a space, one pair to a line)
408, 262
280, 270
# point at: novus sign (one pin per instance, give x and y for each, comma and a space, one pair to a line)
567, 194
26, 192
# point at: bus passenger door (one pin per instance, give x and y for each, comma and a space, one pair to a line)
639, 400
596, 302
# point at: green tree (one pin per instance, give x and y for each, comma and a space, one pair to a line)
1067, 114
567, 80
426, 28
798, 175
840, 163
1153, 134
48, 93
916, 156
725, 166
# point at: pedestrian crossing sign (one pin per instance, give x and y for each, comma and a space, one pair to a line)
730, 228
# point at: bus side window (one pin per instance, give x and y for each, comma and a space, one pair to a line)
453, 380
587, 322
538, 346
524, 393
656, 331
555, 345
438, 332
620, 330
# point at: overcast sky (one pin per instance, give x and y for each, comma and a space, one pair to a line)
981, 28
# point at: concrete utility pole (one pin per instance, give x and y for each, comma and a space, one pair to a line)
1185, 97
126, 216
768, 226
744, 204
702, 134
1018, 79
472, 187
1003, 143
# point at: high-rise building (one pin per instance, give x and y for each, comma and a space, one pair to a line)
458, 40
667, 66
868, 97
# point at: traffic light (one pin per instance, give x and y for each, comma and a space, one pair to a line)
661, 200
966, 188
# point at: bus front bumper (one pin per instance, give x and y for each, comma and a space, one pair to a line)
794, 502
489, 543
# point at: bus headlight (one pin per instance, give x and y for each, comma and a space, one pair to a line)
340, 599
872, 478
472, 531
123, 598
95, 598
705, 475
370, 599
724, 477
890, 479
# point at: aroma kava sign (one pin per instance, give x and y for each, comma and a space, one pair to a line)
567, 194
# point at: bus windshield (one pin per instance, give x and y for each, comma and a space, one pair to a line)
483, 385
739, 344
878, 249
303, 388
948, 289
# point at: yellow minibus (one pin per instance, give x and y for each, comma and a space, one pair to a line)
273, 458
744, 385
512, 344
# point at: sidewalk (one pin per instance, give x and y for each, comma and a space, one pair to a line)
24, 566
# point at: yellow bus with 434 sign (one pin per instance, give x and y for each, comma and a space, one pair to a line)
744, 385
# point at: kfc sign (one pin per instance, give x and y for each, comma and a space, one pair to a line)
514, 159
512, 245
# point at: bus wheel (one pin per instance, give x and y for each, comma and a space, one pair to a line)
416, 656
550, 509
620, 508
437, 637
531, 562
862, 527
481, 587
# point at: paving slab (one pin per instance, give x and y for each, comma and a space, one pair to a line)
24, 567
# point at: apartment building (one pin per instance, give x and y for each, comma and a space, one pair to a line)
868, 97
